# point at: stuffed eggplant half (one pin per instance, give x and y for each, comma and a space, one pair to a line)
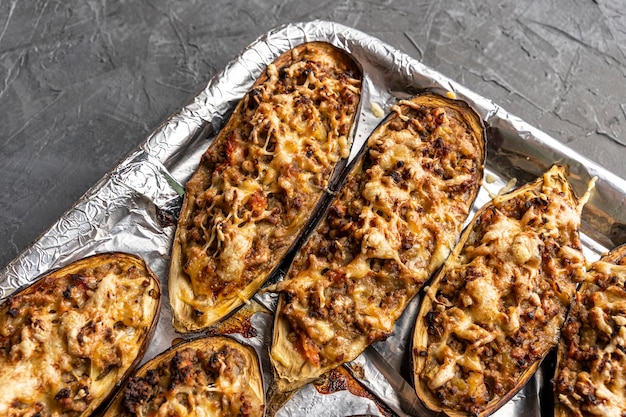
590, 378
392, 223
209, 376
260, 180
497, 306
69, 339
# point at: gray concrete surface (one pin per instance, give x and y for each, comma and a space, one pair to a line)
82, 83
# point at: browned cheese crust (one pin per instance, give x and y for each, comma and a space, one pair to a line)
214, 376
590, 378
260, 180
497, 306
391, 226
66, 341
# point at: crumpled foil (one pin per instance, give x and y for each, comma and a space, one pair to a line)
134, 207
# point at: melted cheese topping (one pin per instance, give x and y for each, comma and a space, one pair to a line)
218, 380
591, 373
60, 343
260, 180
499, 304
393, 223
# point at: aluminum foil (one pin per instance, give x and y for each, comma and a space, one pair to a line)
134, 207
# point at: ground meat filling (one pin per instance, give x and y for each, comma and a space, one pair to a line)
64, 338
498, 308
589, 379
258, 184
397, 212
193, 382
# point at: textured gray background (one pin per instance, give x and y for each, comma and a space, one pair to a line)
82, 83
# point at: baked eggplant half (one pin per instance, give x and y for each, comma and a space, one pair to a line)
258, 183
497, 306
590, 378
209, 376
393, 222
69, 339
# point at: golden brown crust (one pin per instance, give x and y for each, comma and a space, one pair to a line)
591, 365
496, 308
67, 340
260, 180
212, 376
392, 224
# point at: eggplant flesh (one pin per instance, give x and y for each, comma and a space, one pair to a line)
208, 376
496, 307
68, 339
260, 181
394, 220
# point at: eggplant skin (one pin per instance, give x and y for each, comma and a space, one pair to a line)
496, 308
209, 376
258, 184
69, 339
591, 363
391, 225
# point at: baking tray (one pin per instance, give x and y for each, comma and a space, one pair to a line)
134, 207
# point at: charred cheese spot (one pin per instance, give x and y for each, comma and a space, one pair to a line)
393, 223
